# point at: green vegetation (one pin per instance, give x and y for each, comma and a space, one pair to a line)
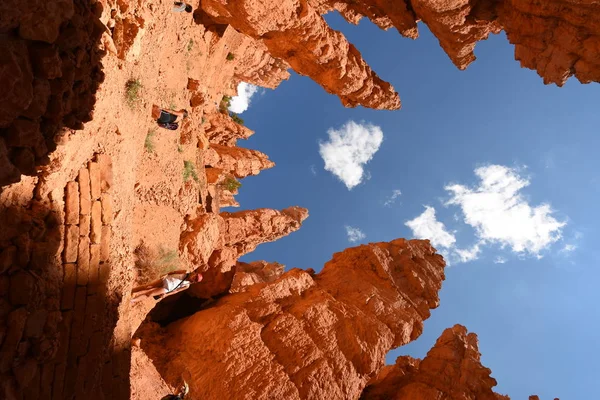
133, 89
225, 103
236, 118
151, 265
232, 184
189, 170
230, 56
190, 45
179, 148
149, 142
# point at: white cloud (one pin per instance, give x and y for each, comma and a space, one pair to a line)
348, 149
426, 226
313, 169
500, 214
354, 234
241, 102
499, 260
392, 199
466, 255
569, 248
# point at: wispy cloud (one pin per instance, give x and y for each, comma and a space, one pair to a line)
392, 198
354, 234
499, 213
349, 149
313, 169
241, 102
426, 226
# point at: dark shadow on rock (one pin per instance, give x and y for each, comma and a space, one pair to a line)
50, 71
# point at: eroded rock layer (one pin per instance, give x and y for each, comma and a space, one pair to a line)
305, 335
557, 38
451, 370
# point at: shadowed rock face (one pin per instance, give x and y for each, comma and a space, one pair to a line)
557, 38
451, 370
305, 335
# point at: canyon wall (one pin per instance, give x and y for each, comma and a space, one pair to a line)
304, 335
451, 370
556, 38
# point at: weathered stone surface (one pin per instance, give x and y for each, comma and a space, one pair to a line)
237, 161
71, 243
96, 222
22, 285
217, 241
43, 19
451, 370
105, 244
95, 180
72, 203
16, 80
295, 32
219, 128
248, 274
85, 194
107, 210
83, 261
23, 133
8, 172
84, 225
106, 173
16, 325
303, 335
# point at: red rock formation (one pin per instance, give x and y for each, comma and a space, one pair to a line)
451, 370
558, 39
217, 241
236, 161
259, 68
219, 128
294, 31
248, 274
304, 335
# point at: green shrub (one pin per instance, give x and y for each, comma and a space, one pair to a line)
236, 118
232, 184
230, 56
149, 142
225, 103
190, 45
133, 89
189, 170
152, 264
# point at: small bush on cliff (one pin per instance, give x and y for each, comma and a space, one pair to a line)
232, 184
133, 89
152, 264
230, 56
189, 170
236, 118
149, 142
190, 45
225, 103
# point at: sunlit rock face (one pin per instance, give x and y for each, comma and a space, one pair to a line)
305, 335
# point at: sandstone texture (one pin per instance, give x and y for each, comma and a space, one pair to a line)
222, 130
217, 241
305, 335
556, 38
248, 274
237, 161
451, 370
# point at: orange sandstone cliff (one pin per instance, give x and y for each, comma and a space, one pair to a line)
451, 370
304, 335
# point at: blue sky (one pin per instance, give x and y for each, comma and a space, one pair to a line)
536, 314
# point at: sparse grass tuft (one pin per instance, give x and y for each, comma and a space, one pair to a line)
190, 45
230, 56
152, 264
236, 118
203, 120
149, 142
225, 103
133, 93
179, 148
189, 170
232, 184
